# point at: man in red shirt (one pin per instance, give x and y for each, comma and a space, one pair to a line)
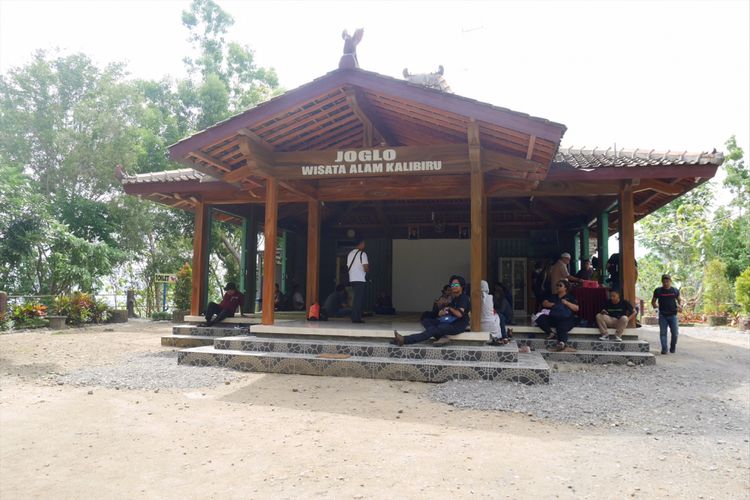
229, 303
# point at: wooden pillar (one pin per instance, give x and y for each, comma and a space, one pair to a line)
269, 251
249, 261
627, 244
478, 226
585, 250
313, 254
602, 242
202, 230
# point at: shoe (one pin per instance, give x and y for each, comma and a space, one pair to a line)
618, 339
493, 341
509, 332
672, 350
604, 337
557, 348
398, 338
664, 351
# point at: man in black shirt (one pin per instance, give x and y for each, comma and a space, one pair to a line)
616, 314
668, 299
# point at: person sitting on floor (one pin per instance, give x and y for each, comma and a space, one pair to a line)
229, 303
437, 305
452, 319
298, 300
384, 304
335, 305
491, 321
562, 308
616, 314
502, 305
278, 298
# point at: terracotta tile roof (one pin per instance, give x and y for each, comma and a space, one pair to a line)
183, 174
586, 159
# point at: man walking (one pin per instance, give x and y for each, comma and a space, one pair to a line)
668, 299
616, 314
358, 266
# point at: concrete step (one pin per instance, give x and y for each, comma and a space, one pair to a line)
452, 352
589, 345
187, 340
600, 357
577, 332
212, 331
529, 369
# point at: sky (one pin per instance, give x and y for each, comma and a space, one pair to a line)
663, 75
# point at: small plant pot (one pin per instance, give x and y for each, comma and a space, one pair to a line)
743, 323
57, 322
717, 320
179, 316
119, 316
650, 320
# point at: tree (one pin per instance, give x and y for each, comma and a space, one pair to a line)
742, 290
718, 292
676, 236
224, 77
738, 176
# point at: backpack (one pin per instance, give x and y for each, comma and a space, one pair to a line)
314, 312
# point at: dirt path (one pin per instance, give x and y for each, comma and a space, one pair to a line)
284, 436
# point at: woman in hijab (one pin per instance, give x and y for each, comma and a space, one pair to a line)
491, 321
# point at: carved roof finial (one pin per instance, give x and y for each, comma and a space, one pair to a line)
432, 80
349, 59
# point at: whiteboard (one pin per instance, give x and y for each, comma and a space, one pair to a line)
422, 267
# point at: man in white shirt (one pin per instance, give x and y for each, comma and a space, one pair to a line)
358, 266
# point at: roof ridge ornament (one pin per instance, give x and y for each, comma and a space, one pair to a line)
434, 80
349, 59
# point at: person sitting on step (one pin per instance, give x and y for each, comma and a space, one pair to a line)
562, 308
616, 314
452, 319
225, 309
491, 321
437, 306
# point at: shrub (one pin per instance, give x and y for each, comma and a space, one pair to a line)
29, 315
161, 316
80, 308
742, 290
183, 288
718, 292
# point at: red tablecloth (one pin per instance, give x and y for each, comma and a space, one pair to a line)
590, 302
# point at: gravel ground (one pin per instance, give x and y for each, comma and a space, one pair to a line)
707, 392
152, 371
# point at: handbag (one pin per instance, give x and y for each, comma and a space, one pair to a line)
447, 319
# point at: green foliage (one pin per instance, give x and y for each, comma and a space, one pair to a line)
742, 290
718, 292
161, 316
80, 308
29, 315
738, 175
183, 288
226, 78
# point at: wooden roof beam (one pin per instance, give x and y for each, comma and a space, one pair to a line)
659, 187
361, 106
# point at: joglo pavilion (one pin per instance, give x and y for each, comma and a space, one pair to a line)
437, 184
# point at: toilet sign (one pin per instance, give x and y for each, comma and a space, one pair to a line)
165, 278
